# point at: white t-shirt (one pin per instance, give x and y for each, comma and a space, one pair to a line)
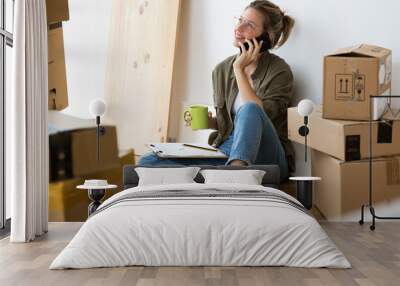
237, 104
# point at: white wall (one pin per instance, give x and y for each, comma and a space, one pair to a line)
86, 43
321, 27
206, 38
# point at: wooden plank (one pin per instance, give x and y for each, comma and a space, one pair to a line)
375, 258
140, 69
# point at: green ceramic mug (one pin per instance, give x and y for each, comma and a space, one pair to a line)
197, 117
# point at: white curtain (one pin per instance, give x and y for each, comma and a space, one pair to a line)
27, 123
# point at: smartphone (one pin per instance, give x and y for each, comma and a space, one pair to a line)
266, 45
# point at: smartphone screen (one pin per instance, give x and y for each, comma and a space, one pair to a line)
266, 43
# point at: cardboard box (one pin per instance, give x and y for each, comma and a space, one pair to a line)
345, 140
351, 75
58, 95
73, 153
345, 185
84, 150
57, 11
67, 203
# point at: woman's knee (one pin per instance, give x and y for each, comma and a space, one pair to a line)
250, 113
250, 108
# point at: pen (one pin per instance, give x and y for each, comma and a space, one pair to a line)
199, 147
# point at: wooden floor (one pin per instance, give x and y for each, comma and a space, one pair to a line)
375, 257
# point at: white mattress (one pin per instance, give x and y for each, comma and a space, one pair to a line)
200, 231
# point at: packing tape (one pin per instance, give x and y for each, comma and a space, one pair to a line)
393, 171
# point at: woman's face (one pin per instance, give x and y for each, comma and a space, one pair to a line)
248, 26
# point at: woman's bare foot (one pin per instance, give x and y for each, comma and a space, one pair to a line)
238, 163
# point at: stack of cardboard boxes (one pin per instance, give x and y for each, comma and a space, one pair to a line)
57, 12
73, 153
339, 133
73, 158
67, 203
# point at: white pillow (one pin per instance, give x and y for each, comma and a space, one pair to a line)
249, 177
165, 176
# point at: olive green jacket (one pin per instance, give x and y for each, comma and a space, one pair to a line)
273, 84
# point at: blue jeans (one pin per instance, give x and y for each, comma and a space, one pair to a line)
253, 140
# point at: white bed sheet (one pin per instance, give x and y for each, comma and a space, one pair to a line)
200, 232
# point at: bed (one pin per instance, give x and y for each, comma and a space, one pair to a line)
198, 224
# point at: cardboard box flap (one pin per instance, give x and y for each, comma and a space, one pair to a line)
344, 51
362, 50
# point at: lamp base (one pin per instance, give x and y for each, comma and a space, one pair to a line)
303, 131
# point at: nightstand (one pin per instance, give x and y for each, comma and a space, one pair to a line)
304, 189
96, 190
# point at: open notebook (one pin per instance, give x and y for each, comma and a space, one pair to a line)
185, 150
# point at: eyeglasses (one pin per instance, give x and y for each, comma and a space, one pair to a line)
247, 24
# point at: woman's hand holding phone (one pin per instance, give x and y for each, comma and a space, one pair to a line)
247, 56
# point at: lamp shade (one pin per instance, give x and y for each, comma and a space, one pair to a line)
97, 107
305, 107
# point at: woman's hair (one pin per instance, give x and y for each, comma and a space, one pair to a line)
277, 24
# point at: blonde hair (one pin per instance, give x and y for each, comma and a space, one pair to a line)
277, 24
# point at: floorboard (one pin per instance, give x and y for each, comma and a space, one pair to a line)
375, 257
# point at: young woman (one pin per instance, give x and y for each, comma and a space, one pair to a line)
252, 91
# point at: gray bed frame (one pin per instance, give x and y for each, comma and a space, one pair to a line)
270, 179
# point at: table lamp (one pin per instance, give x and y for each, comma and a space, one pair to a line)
97, 108
305, 108
304, 191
